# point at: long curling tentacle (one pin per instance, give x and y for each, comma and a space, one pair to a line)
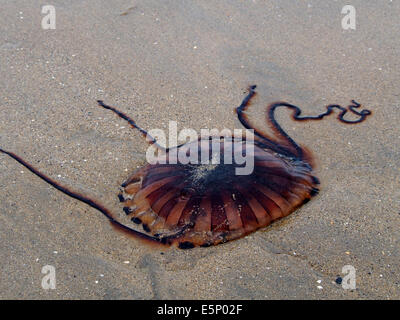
292, 149
296, 116
133, 124
266, 140
93, 203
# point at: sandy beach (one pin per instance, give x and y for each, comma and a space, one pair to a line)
191, 62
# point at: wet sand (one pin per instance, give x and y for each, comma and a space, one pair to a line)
191, 63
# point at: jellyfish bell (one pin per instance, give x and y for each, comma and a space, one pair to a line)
199, 204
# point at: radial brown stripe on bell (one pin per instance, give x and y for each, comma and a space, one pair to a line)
270, 163
160, 173
168, 190
285, 187
263, 215
176, 212
159, 202
292, 188
282, 173
167, 207
203, 218
219, 221
249, 220
273, 210
144, 192
267, 182
290, 174
231, 211
287, 192
282, 203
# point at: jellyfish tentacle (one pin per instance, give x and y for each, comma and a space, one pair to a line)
296, 116
151, 140
91, 202
297, 111
363, 114
266, 140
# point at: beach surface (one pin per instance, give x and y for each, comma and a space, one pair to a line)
192, 62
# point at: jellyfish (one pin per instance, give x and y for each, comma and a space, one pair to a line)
202, 203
